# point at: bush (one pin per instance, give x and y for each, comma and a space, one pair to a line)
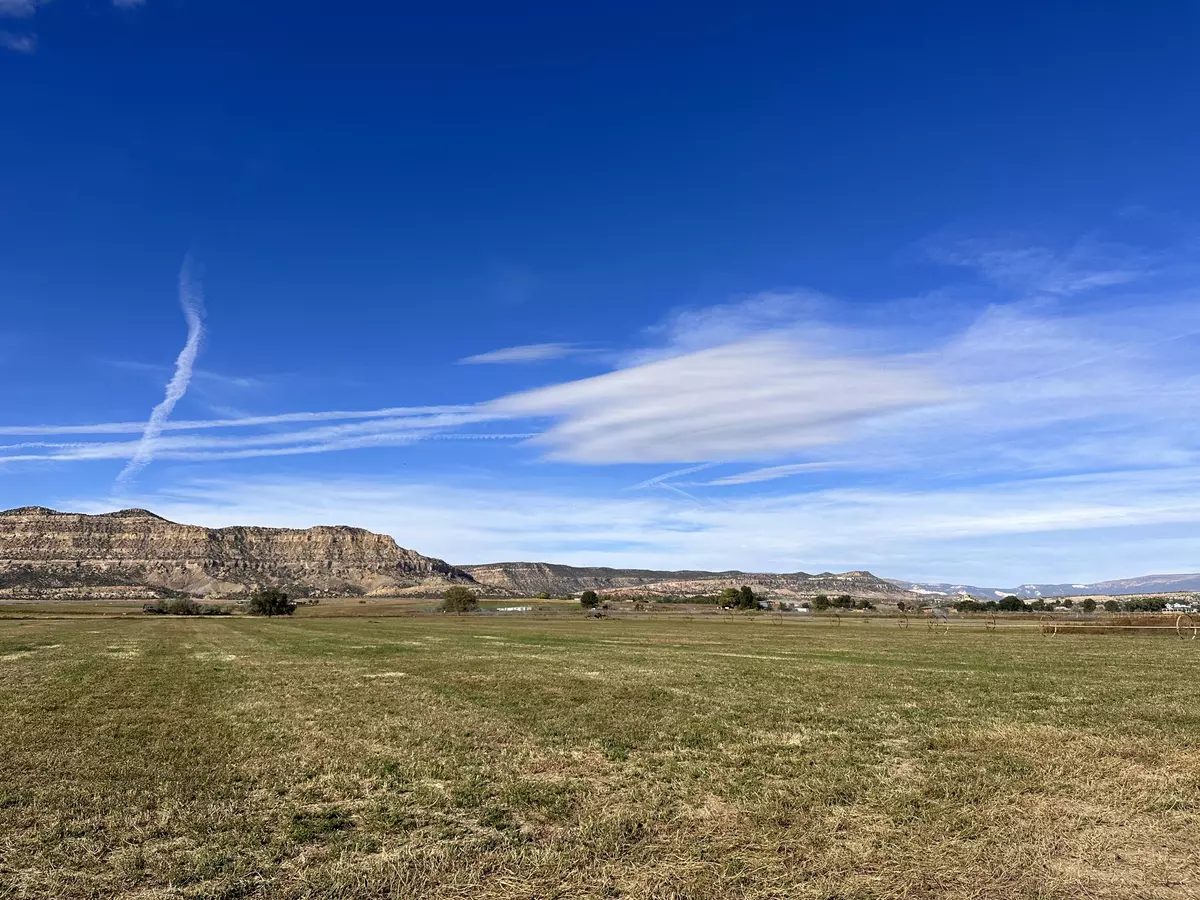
1146, 604
541, 595
269, 602
459, 599
820, 602
1011, 603
184, 606
589, 600
1112, 606
181, 606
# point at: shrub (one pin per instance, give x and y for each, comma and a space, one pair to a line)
1112, 606
820, 602
458, 599
1089, 605
589, 600
1146, 604
1011, 603
901, 605
269, 602
184, 606
181, 606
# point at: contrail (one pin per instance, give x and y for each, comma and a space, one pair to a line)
191, 299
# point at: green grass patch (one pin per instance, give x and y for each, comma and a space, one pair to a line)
451, 757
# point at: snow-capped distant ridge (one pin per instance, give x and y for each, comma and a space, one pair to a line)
1146, 584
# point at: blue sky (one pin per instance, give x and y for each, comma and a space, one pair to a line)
906, 287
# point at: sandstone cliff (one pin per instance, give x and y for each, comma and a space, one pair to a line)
525, 578
136, 553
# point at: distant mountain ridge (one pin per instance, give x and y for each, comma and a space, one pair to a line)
1146, 584
135, 553
528, 578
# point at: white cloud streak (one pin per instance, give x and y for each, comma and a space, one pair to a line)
191, 300
526, 353
770, 473
235, 422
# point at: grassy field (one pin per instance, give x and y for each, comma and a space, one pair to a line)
663, 757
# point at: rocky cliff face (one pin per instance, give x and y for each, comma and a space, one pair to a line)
523, 578
48, 553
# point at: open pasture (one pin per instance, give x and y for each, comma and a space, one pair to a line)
664, 757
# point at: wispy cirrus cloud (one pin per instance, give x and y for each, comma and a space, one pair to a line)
218, 379
234, 422
776, 380
1031, 268
19, 9
18, 43
770, 473
756, 398
525, 353
26, 10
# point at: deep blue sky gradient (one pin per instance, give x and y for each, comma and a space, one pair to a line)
375, 190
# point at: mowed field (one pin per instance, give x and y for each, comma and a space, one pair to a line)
662, 757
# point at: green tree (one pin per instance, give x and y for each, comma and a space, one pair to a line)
901, 605
589, 600
1011, 603
820, 602
270, 602
747, 600
731, 598
1068, 603
1146, 604
458, 599
1089, 605
1112, 606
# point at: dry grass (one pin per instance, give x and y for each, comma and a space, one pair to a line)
563, 757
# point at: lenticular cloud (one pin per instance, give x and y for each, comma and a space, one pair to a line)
191, 299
